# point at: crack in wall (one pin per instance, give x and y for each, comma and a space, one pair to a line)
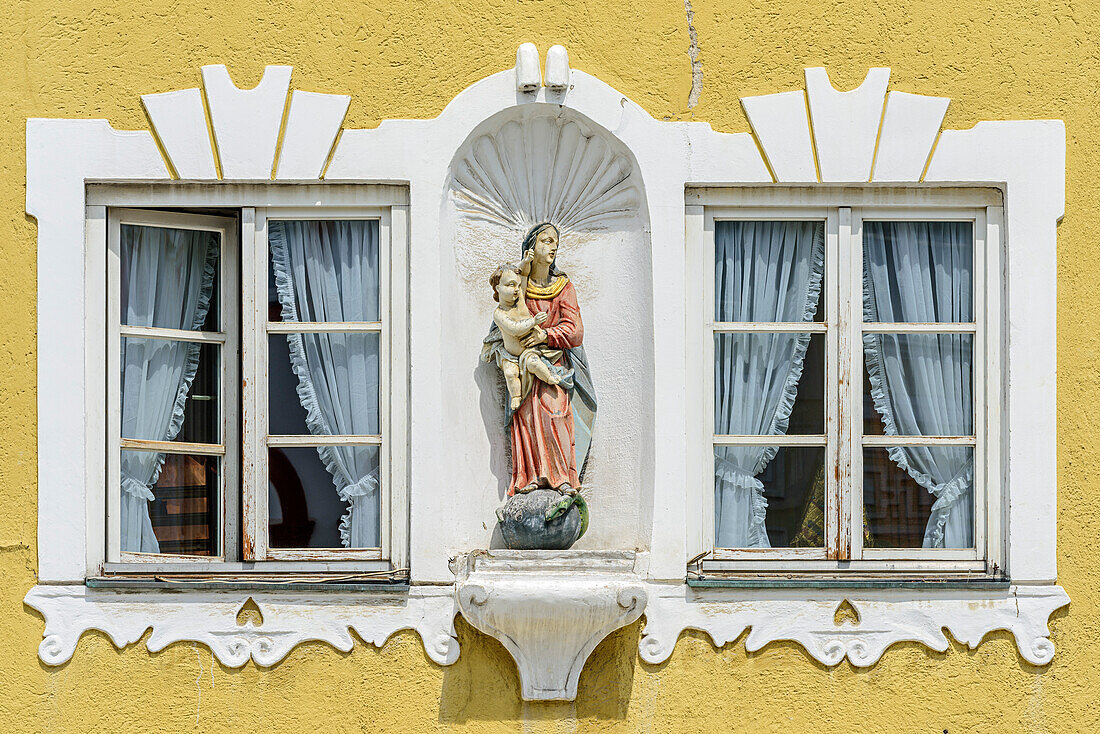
693, 53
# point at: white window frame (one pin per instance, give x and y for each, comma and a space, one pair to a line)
227, 504
110, 204
842, 211
393, 371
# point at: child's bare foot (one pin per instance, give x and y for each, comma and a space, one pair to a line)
516, 402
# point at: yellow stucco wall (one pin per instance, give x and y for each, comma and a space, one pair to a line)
1010, 59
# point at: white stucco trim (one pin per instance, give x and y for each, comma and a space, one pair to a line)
210, 618
885, 617
1026, 158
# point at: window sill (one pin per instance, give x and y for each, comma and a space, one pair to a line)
984, 583
326, 583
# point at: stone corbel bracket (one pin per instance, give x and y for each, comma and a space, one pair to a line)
549, 609
884, 617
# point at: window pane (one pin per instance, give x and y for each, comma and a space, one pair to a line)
919, 497
918, 271
323, 271
768, 271
769, 384
169, 277
181, 517
769, 497
919, 384
169, 390
306, 505
323, 384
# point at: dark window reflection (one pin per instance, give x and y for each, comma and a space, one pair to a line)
184, 511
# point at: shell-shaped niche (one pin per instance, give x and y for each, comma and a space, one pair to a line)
545, 168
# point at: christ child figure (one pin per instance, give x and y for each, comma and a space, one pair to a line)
515, 321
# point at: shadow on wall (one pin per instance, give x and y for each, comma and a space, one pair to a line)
484, 684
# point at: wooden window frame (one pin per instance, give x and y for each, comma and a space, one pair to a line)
843, 211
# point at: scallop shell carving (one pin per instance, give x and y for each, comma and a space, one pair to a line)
545, 169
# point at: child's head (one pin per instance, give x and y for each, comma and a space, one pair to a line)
505, 283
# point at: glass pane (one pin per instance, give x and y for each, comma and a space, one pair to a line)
182, 516
918, 384
304, 505
169, 390
334, 375
768, 271
323, 270
898, 502
169, 277
768, 384
787, 483
920, 272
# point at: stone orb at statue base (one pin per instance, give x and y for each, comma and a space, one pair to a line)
524, 524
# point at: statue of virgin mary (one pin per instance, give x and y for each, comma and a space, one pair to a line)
551, 431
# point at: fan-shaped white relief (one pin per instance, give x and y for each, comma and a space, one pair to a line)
246, 124
545, 169
179, 121
843, 128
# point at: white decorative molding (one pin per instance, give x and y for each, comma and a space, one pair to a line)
312, 125
210, 618
781, 124
179, 121
549, 609
909, 129
528, 75
557, 68
846, 123
888, 616
246, 122
544, 167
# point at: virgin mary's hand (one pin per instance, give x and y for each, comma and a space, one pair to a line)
536, 337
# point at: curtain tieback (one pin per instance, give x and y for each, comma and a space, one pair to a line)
138, 489
368, 485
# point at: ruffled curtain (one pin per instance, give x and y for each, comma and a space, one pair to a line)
764, 271
921, 383
328, 271
167, 277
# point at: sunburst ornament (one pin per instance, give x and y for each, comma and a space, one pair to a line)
545, 168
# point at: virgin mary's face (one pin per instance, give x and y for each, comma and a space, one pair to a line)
546, 246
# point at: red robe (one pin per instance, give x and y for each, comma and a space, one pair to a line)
543, 446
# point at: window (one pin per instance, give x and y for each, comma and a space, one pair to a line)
848, 355
249, 395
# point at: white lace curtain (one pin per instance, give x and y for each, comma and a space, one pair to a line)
167, 278
921, 384
329, 271
764, 271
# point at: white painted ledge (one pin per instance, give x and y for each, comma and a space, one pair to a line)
210, 618
886, 617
